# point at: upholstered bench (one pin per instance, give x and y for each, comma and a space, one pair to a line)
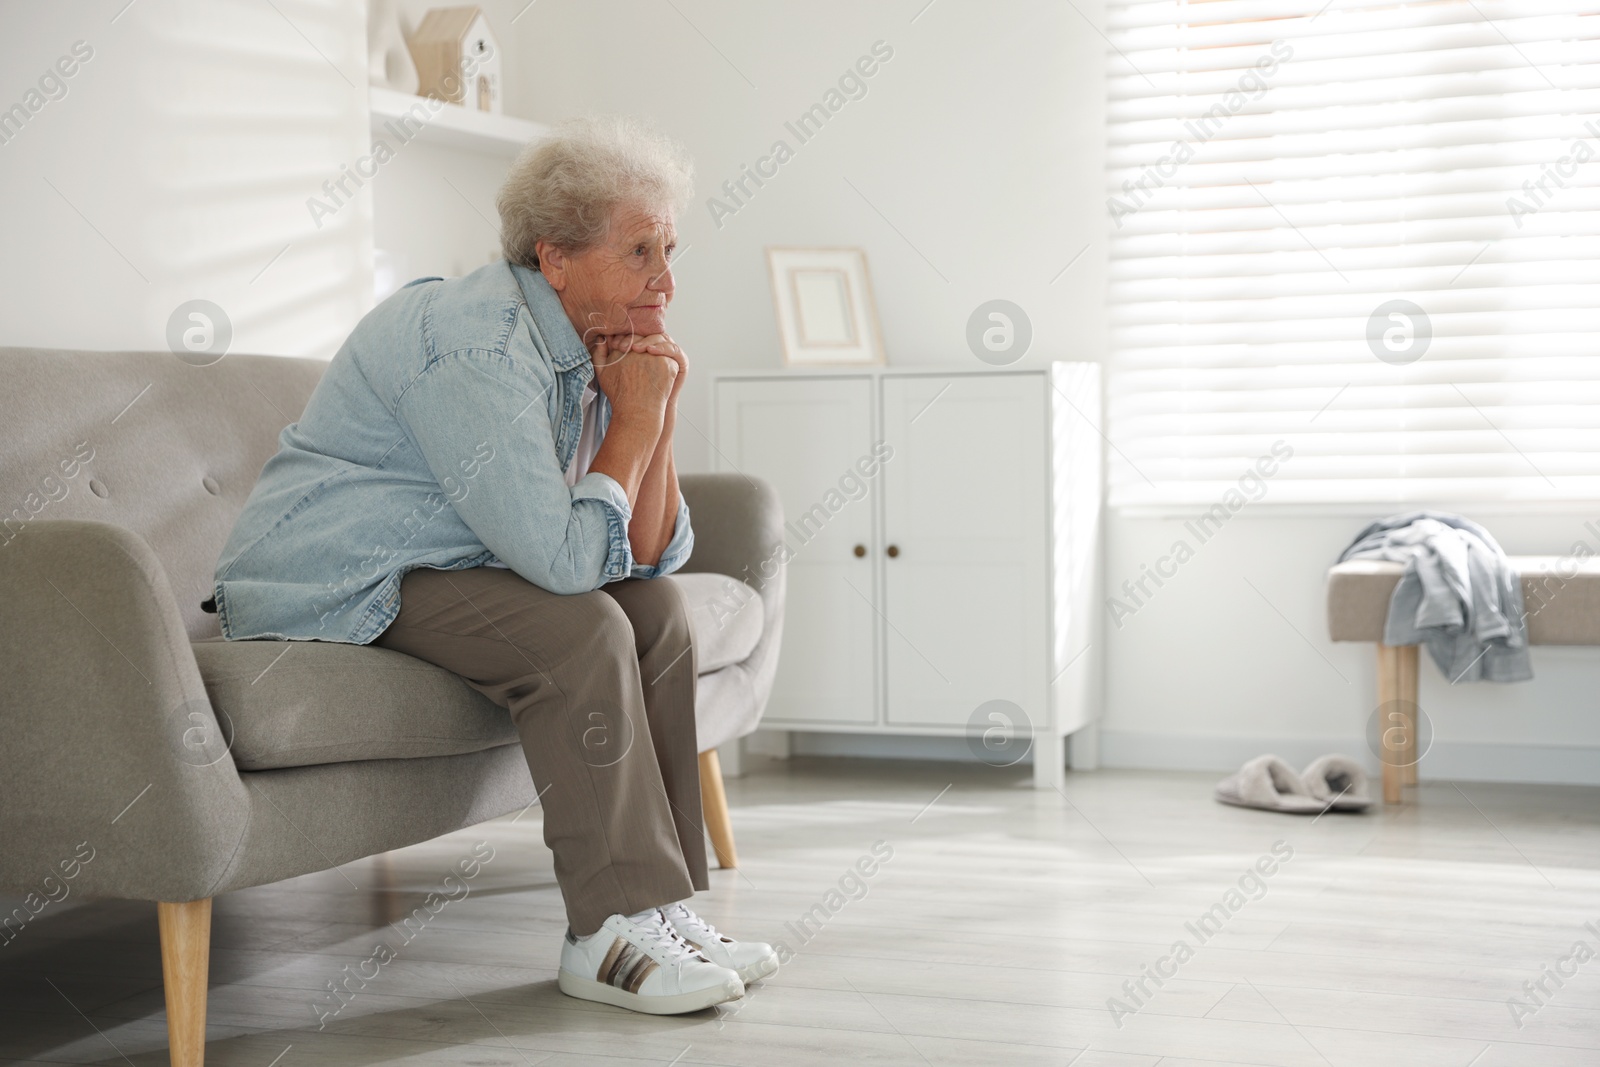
1562, 600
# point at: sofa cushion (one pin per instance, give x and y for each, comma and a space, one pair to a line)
298, 703
726, 618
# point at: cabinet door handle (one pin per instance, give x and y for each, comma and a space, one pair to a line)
860, 550
893, 550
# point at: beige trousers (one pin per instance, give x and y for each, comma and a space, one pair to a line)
601, 688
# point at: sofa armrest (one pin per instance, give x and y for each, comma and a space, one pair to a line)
111, 749
738, 531
738, 526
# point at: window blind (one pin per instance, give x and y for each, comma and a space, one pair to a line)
1365, 233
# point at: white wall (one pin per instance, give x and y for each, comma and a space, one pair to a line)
433, 207
434, 213
1207, 673
980, 141
177, 166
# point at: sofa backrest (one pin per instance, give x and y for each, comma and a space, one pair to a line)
146, 441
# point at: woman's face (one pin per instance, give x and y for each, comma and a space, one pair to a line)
621, 285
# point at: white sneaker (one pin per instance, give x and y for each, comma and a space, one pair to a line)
752, 959
640, 962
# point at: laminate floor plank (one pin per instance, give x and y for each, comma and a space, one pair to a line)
1010, 926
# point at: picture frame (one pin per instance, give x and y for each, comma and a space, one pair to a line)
823, 300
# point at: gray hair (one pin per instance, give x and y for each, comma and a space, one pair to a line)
563, 187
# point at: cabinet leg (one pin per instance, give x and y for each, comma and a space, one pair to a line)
185, 970
1083, 748
774, 744
1049, 760
731, 756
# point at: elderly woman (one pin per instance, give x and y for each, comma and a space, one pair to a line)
483, 479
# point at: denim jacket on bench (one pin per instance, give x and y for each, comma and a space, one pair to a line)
438, 437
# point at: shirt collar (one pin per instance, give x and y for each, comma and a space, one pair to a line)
566, 347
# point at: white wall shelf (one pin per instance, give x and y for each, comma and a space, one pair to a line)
449, 125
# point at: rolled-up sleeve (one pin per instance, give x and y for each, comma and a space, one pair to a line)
677, 551
482, 424
607, 490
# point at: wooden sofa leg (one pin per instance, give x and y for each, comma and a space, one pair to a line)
714, 805
185, 970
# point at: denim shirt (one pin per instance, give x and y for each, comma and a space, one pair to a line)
438, 437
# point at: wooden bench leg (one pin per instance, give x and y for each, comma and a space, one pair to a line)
1397, 733
1408, 706
714, 805
1391, 728
185, 970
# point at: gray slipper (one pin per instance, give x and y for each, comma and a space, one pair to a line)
1338, 782
1268, 783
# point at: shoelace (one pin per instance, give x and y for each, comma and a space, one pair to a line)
662, 935
682, 910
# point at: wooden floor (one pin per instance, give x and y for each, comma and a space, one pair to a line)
1002, 925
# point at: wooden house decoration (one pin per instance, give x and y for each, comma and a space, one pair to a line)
458, 58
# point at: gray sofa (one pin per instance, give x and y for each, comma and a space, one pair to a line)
186, 766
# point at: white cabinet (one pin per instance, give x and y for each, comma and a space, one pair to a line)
943, 538
804, 436
965, 521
